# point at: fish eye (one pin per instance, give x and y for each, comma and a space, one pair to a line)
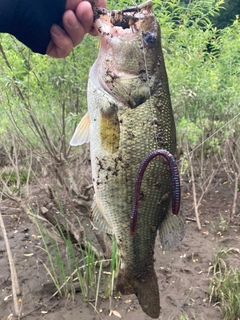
149, 38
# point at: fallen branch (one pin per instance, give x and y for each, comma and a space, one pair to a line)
191, 219
15, 284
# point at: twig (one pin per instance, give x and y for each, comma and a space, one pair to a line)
13, 158
29, 173
95, 310
191, 219
15, 284
83, 203
194, 194
52, 296
52, 307
205, 186
233, 213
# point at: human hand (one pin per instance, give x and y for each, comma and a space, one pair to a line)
77, 21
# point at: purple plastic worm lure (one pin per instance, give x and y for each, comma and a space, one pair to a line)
176, 191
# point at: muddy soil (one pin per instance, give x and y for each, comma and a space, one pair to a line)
183, 274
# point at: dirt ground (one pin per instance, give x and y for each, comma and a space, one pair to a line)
183, 274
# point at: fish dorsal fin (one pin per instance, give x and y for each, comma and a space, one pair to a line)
172, 230
97, 218
82, 132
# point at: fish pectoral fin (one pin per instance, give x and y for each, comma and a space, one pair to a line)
172, 230
145, 288
110, 129
97, 218
82, 132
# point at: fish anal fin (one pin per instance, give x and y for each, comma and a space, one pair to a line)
82, 132
97, 218
145, 288
172, 230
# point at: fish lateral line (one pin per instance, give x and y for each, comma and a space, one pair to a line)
176, 190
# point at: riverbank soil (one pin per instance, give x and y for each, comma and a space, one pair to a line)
183, 274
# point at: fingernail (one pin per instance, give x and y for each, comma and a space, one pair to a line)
57, 30
72, 23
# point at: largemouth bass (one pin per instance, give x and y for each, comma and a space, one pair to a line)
129, 116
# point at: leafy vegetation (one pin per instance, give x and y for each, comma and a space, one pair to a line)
225, 285
75, 265
40, 94
227, 14
42, 100
204, 84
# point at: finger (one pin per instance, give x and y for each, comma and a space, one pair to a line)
84, 14
73, 27
61, 44
98, 3
72, 4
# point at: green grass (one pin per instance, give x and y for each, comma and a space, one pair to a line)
221, 225
71, 264
225, 286
10, 177
183, 316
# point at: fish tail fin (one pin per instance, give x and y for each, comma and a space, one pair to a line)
146, 290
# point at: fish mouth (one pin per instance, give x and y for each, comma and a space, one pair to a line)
114, 22
129, 41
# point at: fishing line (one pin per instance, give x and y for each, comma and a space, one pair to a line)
152, 109
147, 75
210, 137
148, 84
151, 106
145, 60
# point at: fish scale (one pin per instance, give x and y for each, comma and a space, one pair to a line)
130, 115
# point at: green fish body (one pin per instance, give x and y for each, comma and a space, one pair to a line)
130, 115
